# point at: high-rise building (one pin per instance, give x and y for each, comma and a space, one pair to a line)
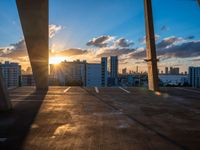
104, 71
194, 76
124, 71
166, 70
174, 71
93, 75
137, 69
114, 69
11, 73
113, 66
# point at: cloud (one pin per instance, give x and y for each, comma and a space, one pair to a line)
190, 37
184, 50
110, 51
101, 41
143, 39
107, 46
53, 29
122, 42
141, 54
15, 50
168, 42
164, 28
70, 52
196, 59
172, 47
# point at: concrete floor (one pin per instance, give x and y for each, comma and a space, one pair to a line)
75, 118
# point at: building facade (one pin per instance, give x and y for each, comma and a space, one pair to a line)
104, 71
28, 80
114, 70
174, 71
166, 70
194, 76
93, 75
69, 73
114, 67
11, 73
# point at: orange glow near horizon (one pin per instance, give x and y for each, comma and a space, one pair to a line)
57, 59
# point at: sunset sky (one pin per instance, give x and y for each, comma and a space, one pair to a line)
90, 29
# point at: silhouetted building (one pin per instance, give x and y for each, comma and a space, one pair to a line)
124, 71
11, 73
137, 69
114, 69
166, 70
194, 76
104, 71
174, 71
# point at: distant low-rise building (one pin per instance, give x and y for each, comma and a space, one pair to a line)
124, 71
173, 80
174, 71
93, 75
11, 73
77, 73
69, 73
28, 80
194, 76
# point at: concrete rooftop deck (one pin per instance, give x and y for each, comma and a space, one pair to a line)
78, 118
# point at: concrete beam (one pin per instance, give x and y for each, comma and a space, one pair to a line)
34, 20
4, 98
150, 47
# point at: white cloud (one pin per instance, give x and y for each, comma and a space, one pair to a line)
53, 29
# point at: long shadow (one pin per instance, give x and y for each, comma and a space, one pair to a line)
15, 125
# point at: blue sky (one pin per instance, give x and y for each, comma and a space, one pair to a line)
83, 20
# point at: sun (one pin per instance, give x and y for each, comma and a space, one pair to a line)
56, 59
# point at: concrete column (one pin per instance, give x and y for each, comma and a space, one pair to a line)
4, 99
150, 47
34, 20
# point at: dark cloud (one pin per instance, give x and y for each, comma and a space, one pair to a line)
122, 42
115, 52
70, 52
185, 50
190, 37
196, 59
143, 39
164, 28
168, 48
138, 55
18, 50
168, 42
101, 41
15, 50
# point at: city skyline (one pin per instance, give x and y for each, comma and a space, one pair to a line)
109, 29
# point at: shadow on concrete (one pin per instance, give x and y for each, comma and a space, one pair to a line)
15, 125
